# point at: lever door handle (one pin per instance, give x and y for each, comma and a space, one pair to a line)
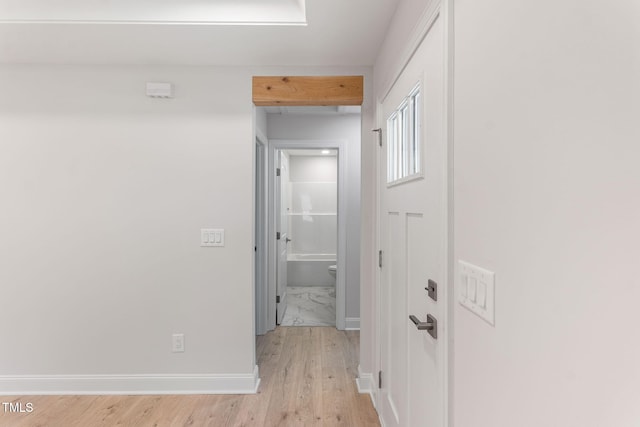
431, 325
422, 326
287, 240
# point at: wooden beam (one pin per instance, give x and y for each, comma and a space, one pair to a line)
307, 91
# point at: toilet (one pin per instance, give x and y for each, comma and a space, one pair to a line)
332, 270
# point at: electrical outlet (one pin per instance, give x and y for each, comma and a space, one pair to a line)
177, 344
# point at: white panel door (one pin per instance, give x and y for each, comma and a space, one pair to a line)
282, 215
413, 239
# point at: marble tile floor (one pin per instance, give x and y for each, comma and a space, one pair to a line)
310, 306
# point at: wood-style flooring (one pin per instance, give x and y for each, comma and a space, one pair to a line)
308, 379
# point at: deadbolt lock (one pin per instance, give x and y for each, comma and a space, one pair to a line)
432, 289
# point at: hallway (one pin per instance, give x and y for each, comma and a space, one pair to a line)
308, 378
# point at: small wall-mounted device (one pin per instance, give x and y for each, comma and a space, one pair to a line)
159, 90
211, 237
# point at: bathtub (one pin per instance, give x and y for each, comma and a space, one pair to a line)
310, 269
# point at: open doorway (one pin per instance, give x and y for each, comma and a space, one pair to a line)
308, 245
314, 209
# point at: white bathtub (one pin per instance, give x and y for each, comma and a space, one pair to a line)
310, 269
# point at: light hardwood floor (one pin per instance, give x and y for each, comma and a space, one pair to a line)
308, 379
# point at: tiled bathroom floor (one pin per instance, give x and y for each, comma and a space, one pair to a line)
310, 306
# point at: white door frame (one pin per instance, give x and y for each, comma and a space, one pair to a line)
341, 146
442, 9
260, 232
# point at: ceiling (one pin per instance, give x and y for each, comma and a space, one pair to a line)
219, 12
338, 33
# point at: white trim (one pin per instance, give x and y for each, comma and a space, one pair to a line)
451, 297
404, 180
352, 324
271, 241
366, 384
28, 385
341, 279
261, 137
259, 232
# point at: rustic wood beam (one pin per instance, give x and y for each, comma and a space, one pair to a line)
307, 91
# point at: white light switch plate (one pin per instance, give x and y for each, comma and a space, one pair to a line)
477, 289
211, 237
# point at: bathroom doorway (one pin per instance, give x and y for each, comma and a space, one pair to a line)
308, 243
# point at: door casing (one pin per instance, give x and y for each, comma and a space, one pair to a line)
260, 233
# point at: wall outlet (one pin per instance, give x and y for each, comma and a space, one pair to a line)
177, 343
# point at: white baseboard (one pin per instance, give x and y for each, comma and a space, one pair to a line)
352, 324
366, 384
130, 384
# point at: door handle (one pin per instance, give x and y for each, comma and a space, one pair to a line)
431, 325
287, 240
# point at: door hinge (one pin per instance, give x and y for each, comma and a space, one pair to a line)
379, 379
379, 132
278, 235
278, 172
380, 259
277, 299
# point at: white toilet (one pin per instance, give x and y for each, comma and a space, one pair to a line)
332, 270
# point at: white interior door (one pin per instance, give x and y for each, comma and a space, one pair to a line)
413, 239
282, 215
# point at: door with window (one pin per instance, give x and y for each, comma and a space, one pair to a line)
413, 242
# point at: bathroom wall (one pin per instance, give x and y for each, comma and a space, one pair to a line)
313, 225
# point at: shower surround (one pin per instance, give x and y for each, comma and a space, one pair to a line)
312, 220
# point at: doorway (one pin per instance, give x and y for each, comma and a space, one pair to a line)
304, 244
297, 130
308, 244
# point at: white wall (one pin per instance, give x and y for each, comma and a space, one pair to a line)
314, 169
333, 127
546, 184
103, 194
398, 41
